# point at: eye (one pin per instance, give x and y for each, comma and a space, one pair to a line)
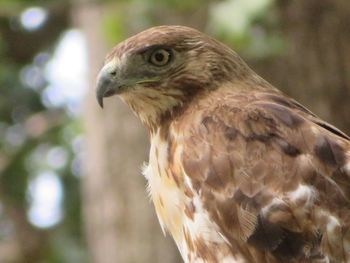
160, 57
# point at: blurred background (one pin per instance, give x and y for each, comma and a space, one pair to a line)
70, 183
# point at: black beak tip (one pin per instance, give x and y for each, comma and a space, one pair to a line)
100, 101
106, 87
100, 90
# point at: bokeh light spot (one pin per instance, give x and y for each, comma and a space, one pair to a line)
45, 194
57, 157
32, 76
33, 18
66, 73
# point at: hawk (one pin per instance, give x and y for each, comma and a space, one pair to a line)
238, 171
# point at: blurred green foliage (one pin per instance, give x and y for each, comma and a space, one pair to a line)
30, 130
114, 26
250, 26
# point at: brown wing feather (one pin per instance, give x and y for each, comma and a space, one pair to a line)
272, 174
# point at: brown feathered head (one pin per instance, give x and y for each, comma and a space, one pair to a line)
157, 71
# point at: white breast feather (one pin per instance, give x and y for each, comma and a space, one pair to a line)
174, 202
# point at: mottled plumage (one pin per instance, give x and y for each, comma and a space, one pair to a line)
238, 172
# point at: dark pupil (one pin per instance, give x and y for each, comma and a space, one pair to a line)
159, 57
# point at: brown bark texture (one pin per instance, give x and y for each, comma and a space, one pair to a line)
318, 61
315, 68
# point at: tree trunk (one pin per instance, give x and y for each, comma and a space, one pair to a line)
120, 221
318, 62
316, 67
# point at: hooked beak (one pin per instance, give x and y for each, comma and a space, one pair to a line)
107, 84
111, 81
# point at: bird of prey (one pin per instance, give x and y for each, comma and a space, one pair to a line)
238, 171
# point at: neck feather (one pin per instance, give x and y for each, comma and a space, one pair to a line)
154, 107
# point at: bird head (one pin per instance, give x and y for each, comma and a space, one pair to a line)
158, 71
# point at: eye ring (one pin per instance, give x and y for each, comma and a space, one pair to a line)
160, 57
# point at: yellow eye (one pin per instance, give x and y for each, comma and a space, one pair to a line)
160, 57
